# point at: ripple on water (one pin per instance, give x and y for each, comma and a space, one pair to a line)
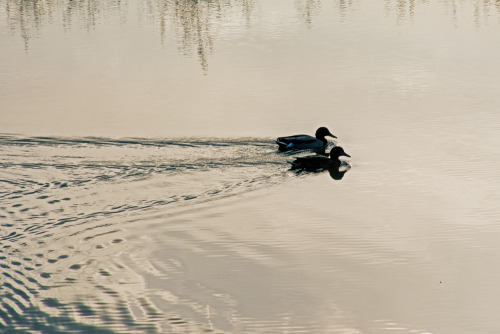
66, 249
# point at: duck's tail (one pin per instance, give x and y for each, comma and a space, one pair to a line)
282, 146
294, 165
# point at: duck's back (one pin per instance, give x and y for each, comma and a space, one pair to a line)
299, 142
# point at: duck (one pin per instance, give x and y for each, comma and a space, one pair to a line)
315, 163
304, 142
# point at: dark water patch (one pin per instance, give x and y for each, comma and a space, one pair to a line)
52, 302
17, 281
149, 309
33, 227
111, 292
84, 310
125, 313
100, 235
10, 236
63, 221
17, 292
37, 319
11, 311
5, 318
104, 273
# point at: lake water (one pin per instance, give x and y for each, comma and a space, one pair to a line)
141, 190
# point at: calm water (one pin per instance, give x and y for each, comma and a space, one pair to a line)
141, 190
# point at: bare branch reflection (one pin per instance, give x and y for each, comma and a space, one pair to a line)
192, 22
405, 9
248, 8
482, 10
308, 9
90, 12
342, 6
195, 23
29, 16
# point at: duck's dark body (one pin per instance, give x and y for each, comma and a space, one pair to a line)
316, 163
304, 142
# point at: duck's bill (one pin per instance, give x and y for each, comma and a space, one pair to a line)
329, 134
347, 155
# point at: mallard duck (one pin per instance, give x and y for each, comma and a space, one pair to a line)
315, 163
304, 142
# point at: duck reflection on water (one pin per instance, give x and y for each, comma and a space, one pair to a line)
318, 163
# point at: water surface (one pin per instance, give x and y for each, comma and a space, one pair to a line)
141, 190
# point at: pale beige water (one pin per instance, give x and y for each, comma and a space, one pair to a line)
193, 222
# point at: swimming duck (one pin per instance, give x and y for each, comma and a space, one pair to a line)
304, 142
315, 163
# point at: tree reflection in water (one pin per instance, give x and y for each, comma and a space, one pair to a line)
196, 23
27, 17
405, 9
308, 9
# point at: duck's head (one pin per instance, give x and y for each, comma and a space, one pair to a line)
337, 152
322, 132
